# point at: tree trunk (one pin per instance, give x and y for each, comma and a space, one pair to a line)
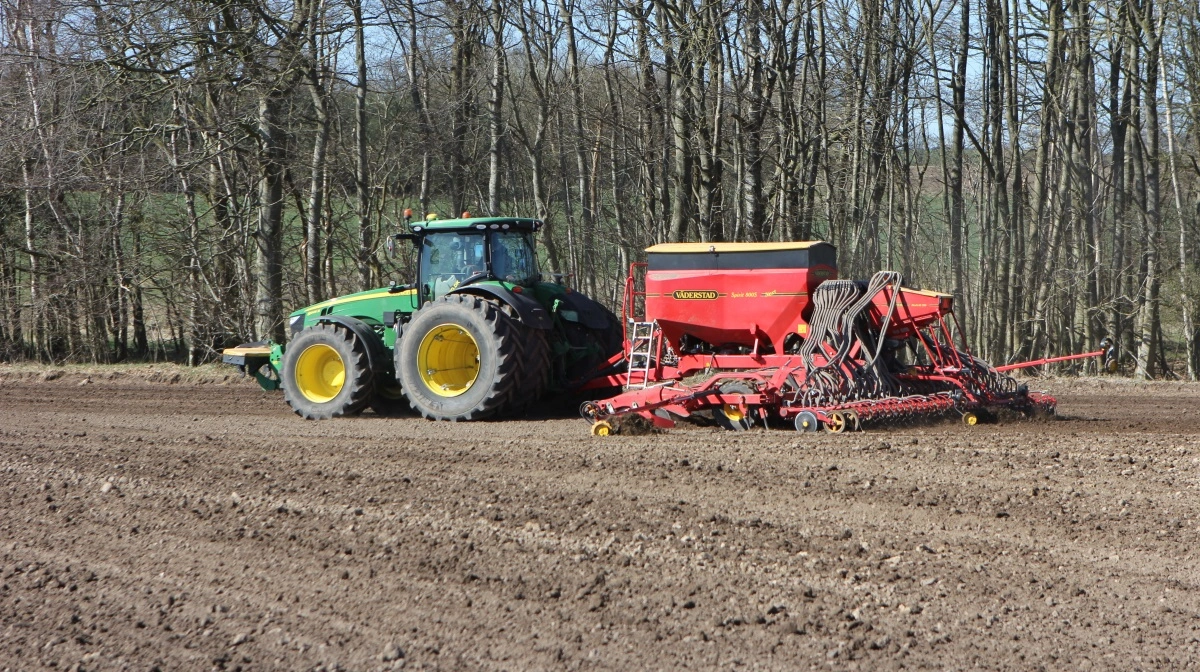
1148, 299
362, 187
496, 108
754, 211
650, 117
35, 271
1186, 307
316, 184
1044, 251
419, 103
141, 341
269, 234
615, 168
1017, 280
465, 35
579, 146
958, 87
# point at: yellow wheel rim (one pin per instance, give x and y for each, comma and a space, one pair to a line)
602, 428
836, 423
969, 419
448, 359
732, 412
320, 373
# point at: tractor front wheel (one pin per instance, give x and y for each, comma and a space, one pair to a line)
459, 359
326, 373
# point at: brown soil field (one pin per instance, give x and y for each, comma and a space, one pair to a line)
157, 522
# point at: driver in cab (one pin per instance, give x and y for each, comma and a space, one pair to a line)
455, 262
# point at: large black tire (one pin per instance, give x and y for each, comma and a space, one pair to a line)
326, 373
388, 399
460, 359
730, 417
533, 359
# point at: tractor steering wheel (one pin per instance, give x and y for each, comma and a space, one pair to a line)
473, 278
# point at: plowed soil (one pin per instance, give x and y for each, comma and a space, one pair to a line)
186, 526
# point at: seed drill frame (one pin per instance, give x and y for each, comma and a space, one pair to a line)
765, 331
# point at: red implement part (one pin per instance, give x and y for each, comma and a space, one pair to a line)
1052, 360
681, 400
779, 336
890, 409
733, 296
910, 309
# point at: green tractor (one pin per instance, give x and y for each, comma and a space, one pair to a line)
478, 334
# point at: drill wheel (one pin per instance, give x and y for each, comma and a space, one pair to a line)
836, 424
602, 428
806, 421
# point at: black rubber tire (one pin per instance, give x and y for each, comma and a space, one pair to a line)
534, 362
612, 339
806, 421
388, 399
735, 424
533, 359
498, 340
357, 387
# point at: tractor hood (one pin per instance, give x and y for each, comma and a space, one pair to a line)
381, 292
372, 307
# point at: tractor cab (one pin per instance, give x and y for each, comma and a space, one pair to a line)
454, 253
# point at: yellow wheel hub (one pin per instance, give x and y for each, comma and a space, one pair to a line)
970, 419
602, 428
448, 359
732, 412
320, 373
836, 423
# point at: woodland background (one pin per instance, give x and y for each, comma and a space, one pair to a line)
179, 174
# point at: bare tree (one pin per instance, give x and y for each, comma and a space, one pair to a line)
1004, 149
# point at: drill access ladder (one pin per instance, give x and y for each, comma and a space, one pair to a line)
645, 339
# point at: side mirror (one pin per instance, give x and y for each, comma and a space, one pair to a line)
390, 244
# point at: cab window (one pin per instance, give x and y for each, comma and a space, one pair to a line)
513, 258
449, 258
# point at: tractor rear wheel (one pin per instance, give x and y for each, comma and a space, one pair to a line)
460, 358
533, 360
326, 373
